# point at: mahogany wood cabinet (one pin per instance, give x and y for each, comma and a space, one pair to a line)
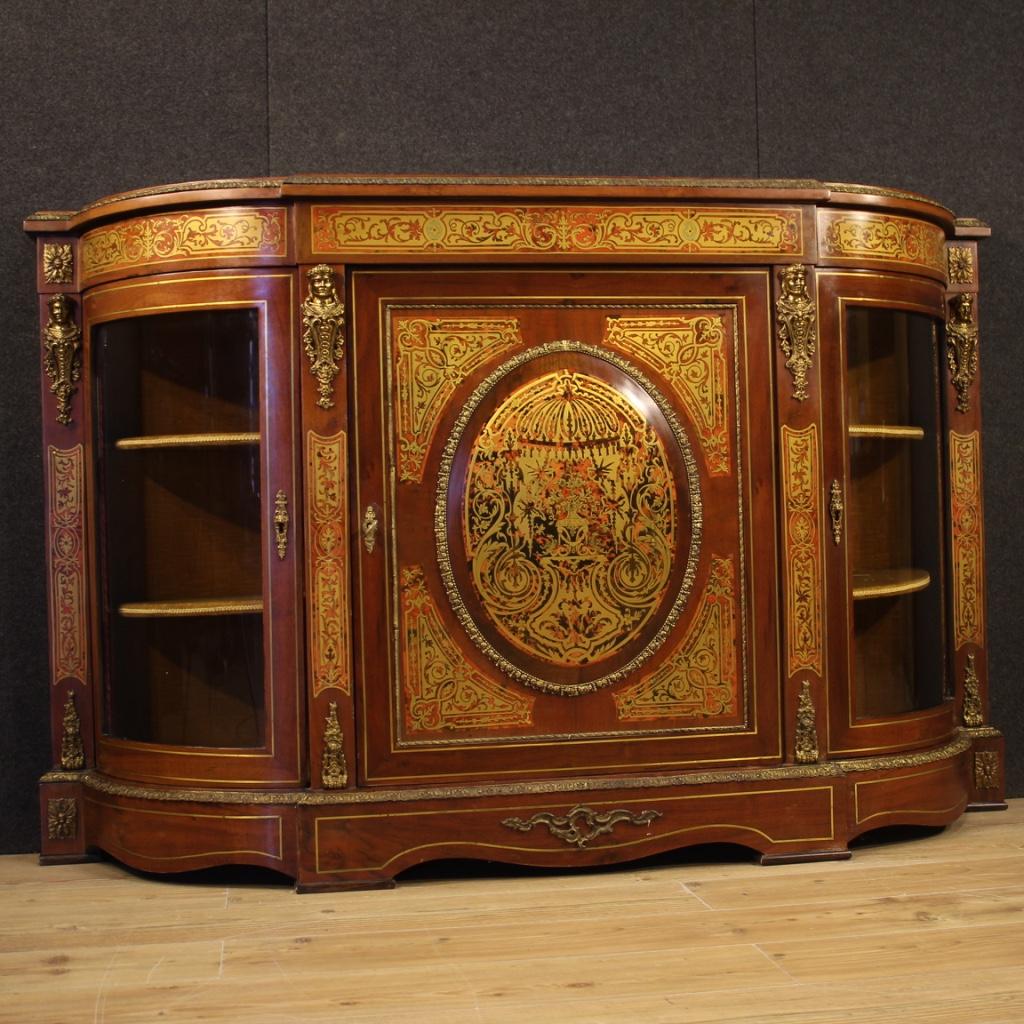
555, 522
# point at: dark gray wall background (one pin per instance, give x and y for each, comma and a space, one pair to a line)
99, 97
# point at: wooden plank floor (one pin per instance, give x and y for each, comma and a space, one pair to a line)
929, 929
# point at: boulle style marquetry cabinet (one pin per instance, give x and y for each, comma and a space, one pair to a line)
557, 522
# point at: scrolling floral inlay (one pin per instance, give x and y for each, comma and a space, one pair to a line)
72, 753
62, 818
327, 530
58, 263
962, 349
973, 714
333, 767
67, 563
470, 230
796, 325
582, 824
433, 356
443, 690
173, 237
689, 351
806, 727
699, 679
801, 481
570, 519
960, 259
62, 354
323, 331
965, 480
850, 234
556, 530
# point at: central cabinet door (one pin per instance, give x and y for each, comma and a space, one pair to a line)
565, 486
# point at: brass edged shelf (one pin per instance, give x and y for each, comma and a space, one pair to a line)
897, 433
888, 583
185, 440
181, 609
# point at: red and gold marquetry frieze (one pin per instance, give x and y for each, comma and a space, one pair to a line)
856, 235
327, 529
433, 355
173, 237
442, 689
689, 351
801, 482
699, 680
965, 478
67, 563
479, 230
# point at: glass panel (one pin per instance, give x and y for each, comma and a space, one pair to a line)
894, 511
177, 421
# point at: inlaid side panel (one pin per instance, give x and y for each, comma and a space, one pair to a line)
801, 482
327, 530
67, 564
965, 481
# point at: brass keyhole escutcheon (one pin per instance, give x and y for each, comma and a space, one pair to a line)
370, 524
281, 523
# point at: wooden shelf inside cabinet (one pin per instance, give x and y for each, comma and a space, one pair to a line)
895, 433
888, 583
186, 441
180, 609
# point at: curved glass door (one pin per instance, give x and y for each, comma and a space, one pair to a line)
177, 420
893, 511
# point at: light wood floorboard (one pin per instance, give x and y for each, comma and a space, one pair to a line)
929, 929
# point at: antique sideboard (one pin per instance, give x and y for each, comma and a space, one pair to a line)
550, 521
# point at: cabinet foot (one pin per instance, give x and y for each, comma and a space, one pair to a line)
800, 858
314, 887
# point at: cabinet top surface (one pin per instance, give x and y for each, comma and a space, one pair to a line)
422, 187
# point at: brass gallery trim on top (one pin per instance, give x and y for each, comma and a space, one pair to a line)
350, 230
190, 235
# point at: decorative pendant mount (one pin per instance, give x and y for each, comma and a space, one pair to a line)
795, 321
72, 754
62, 359
806, 727
333, 768
323, 331
973, 714
962, 349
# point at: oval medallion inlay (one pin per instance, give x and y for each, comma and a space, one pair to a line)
576, 523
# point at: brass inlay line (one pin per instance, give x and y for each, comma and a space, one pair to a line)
185, 440
889, 583
884, 430
174, 609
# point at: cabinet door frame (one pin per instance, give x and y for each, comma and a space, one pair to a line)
385, 758
848, 735
279, 761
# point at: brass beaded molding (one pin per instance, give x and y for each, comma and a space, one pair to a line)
306, 798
